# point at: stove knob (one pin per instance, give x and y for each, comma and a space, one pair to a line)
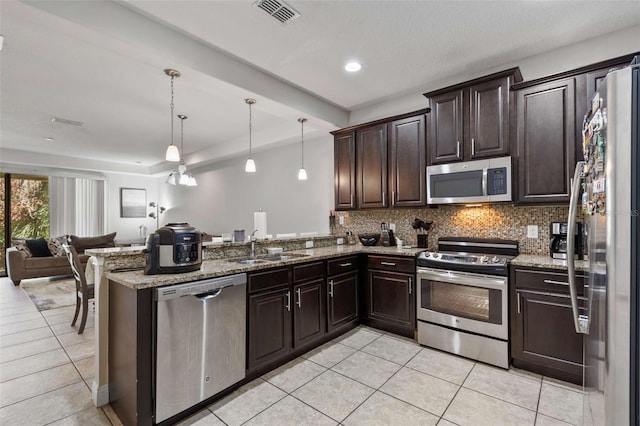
495, 259
427, 254
436, 255
483, 259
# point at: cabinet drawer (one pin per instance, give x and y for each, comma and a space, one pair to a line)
393, 264
557, 282
270, 279
308, 271
342, 265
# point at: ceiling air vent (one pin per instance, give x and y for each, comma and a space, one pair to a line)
278, 9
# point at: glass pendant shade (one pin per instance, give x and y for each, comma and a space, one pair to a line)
250, 166
172, 153
184, 179
192, 181
302, 174
171, 180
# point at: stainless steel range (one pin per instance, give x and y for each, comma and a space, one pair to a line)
462, 300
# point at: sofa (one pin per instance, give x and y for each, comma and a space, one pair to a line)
22, 263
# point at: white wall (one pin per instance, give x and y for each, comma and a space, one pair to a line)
577, 55
127, 227
226, 196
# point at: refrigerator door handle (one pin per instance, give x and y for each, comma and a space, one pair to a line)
580, 322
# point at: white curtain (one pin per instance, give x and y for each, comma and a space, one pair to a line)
77, 206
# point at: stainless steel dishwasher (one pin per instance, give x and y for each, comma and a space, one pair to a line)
200, 341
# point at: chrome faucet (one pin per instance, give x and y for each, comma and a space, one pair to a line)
253, 243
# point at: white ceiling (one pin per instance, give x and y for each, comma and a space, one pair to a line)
102, 62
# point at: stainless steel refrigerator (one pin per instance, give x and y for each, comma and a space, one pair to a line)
606, 188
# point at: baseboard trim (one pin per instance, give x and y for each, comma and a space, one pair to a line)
99, 394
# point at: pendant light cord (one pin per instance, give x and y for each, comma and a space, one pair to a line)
250, 130
302, 139
182, 117
172, 107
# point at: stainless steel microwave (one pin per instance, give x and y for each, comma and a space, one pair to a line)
480, 181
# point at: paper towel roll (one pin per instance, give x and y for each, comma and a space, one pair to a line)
260, 224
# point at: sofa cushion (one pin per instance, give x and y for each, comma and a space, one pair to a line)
83, 243
55, 245
35, 263
39, 248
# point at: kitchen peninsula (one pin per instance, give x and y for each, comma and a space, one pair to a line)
124, 307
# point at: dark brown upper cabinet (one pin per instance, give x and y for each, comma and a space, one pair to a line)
470, 120
381, 164
344, 157
371, 166
407, 162
548, 137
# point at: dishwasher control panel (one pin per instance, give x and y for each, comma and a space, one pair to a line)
198, 287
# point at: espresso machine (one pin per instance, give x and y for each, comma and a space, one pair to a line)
558, 247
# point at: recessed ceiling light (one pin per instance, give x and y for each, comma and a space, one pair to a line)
49, 139
353, 66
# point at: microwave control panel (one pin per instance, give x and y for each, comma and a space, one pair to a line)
497, 181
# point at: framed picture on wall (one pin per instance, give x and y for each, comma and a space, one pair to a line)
133, 202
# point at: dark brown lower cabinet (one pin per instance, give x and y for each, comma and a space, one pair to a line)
391, 302
269, 327
309, 316
543, 337
342, 300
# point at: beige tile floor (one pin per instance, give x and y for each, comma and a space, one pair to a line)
366, 377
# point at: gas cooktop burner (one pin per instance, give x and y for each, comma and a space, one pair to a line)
474, 255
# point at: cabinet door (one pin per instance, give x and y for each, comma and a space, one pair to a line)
408, 160
543, 334
489, 119
342, 300
371, 179
309, 317
546, 141
391, 301
344, 157
446, 128
269, 327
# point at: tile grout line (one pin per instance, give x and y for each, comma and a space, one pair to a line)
457, 392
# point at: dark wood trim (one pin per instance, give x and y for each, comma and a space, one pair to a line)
626, 59
515, 72
380, 121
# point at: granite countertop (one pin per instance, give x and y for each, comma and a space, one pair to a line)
546, 262
221, 267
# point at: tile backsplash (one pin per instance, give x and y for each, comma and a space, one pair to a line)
504, 221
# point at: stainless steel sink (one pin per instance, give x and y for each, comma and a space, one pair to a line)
248, 261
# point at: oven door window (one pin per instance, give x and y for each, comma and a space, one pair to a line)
481, 304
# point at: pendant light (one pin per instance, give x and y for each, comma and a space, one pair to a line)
172, 150
250, 166
302, 173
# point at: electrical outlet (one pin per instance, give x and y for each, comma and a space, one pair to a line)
532, 231
309, 244
392, 226
341, 220
340, 241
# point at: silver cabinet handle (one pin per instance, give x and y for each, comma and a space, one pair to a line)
393, 198
518, 295
384, 201
299, 302
351, 200
288, 305
458, 149
410, 284
388, 263
473, 147
555, 282
344, 265
580, 322
331, 288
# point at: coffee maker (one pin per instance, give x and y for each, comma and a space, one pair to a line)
558, 247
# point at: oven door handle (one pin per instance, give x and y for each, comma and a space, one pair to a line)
497, 283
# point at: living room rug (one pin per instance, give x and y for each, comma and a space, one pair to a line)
51, 294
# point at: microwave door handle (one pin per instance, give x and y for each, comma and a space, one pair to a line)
484, 182
580, 322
